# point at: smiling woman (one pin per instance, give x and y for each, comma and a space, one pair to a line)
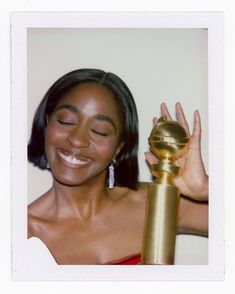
83, 135
124, 111
85, 132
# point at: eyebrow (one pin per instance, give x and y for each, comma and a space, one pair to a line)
67, 106
100, 117
108, 119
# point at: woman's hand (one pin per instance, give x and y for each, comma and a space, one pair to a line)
192, 180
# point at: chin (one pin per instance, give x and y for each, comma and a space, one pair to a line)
67, 180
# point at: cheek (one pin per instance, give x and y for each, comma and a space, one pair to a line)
52, 136
54, 133
107, 149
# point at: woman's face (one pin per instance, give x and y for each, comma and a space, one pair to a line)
82, 135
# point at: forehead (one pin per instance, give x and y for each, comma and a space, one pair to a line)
92, 99
92, 93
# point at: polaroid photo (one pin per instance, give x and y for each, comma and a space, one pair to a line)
163, 57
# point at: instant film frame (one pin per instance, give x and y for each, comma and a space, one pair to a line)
39, 57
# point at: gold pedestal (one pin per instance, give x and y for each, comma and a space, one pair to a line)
168, 141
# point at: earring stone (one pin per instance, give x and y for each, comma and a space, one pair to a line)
111, 176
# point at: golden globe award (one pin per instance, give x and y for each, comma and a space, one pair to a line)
168, 141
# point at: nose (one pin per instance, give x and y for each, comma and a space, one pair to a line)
79, 137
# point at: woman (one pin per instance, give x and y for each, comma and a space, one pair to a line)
85, 131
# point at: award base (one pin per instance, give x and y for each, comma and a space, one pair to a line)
161, 224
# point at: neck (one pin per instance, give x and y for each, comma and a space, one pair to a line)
81, 202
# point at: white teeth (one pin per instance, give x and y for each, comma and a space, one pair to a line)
72, 160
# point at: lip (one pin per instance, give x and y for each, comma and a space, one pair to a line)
72, 160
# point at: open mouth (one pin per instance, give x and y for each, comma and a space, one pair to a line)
72, 160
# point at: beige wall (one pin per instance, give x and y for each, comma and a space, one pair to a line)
158, 65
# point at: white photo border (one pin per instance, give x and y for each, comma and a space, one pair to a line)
214, 22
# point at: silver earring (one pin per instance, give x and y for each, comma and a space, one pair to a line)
48, 166
111, 175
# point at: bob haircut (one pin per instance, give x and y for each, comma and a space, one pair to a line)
126, 165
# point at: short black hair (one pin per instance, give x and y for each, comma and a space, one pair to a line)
126, 165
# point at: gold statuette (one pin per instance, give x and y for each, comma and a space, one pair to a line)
168, 141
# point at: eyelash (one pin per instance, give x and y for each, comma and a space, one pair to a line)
65, 123
99, 133
72, 124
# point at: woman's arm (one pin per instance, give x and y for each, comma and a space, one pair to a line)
193, 217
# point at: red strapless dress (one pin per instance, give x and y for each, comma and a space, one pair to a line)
130, 260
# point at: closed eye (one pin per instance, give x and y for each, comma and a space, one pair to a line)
99, 133
62, 122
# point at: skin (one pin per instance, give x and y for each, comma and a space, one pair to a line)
79, 219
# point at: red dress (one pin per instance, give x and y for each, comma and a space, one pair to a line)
130, 260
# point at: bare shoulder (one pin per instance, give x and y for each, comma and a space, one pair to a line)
37, 207
140, 193
134, 197
37, 214
132, 206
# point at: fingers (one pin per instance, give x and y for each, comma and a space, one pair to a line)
151, 158
197, 125
181, 117
196, 135
164, 111
155, 120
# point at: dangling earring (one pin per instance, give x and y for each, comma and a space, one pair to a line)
111, 175
48, 166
